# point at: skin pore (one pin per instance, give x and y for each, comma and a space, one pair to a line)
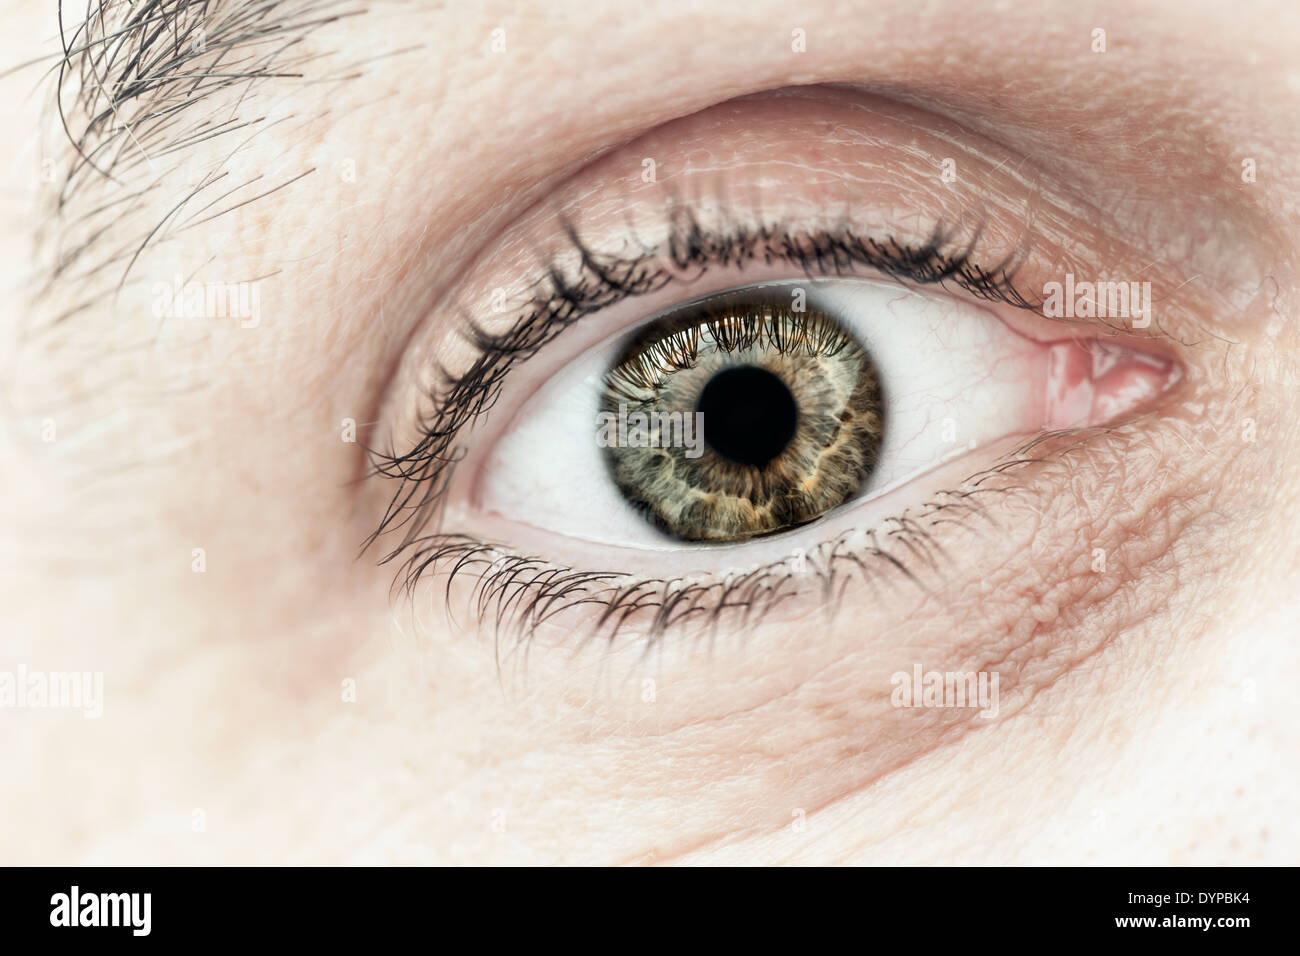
194, 528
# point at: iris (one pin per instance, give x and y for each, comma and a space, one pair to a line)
791, 408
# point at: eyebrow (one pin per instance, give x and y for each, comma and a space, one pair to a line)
138, 86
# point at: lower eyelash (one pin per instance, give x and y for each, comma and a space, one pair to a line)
512, 595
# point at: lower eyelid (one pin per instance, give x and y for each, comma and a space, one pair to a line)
521, 598
525, 598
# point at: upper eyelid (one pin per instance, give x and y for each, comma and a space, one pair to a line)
944, 257
580, 279
424, 470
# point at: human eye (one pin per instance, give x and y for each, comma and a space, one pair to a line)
761, 410
898, 351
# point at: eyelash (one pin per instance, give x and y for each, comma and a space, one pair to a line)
519, 593
526, 590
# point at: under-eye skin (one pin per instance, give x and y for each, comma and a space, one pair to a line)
740, 415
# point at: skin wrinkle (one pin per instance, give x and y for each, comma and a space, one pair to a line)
226, 684
1078, 613
1130, 614
1021, 641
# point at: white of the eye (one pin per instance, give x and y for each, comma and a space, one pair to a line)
954, 377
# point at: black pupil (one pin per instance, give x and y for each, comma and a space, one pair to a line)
749, 415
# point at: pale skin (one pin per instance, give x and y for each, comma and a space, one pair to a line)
281, 702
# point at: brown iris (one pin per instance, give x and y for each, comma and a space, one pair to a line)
739, 416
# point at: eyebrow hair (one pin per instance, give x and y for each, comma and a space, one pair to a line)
139, 85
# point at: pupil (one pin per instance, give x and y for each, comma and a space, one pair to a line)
749, 415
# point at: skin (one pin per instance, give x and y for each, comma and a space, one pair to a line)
1144, 714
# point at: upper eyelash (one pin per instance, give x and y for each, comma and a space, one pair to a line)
677, 347
603, 280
